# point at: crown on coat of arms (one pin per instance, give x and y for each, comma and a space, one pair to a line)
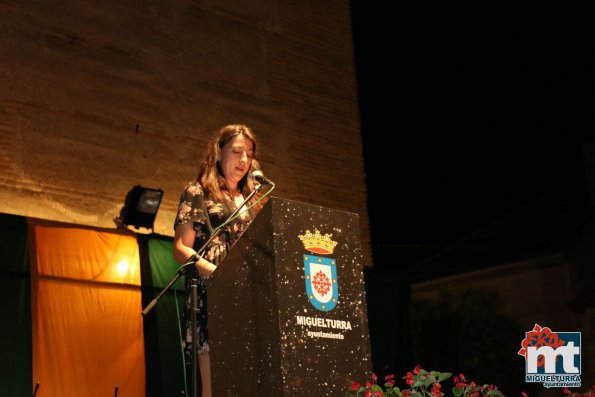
318, 243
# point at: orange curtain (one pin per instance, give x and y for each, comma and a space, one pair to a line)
86, 312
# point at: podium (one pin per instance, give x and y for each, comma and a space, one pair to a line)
287, 306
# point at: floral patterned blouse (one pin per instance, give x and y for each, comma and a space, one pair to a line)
206, 215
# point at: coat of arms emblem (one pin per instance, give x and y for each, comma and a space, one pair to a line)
320, 273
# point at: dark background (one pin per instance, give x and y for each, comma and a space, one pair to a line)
474, 120
471, 114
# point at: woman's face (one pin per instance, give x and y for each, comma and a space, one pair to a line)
235, 159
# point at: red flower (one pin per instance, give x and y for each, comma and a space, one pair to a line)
374, 377
405, 393
390, 380
409, 379
368, 384
436, 390
417, 369
368, 394
459, 383
354, 386
566, 390
524, 394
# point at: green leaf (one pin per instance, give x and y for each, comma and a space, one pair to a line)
376, 388
444, 376
418, 383
416, 394
457, 391
429, 381
494, 393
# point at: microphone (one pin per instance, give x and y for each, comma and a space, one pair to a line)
258, 176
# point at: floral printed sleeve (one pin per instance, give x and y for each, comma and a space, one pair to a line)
191, 206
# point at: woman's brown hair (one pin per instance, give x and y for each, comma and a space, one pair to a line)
210, 175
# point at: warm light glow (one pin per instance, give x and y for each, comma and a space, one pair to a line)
122, 267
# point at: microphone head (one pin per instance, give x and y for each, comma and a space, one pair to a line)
258, 176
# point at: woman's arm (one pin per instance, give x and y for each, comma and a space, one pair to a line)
183, 242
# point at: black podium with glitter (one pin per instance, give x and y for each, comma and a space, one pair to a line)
287, 311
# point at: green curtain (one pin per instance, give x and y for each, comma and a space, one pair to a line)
15, 309
163, 352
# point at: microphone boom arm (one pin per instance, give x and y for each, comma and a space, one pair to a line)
199, 254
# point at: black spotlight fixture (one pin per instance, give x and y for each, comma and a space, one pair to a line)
140, 207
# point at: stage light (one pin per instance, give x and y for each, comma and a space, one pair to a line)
140, 207
122, 267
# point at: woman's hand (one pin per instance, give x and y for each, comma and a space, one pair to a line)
205, 267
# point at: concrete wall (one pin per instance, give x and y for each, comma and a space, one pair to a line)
544, 286
99, 96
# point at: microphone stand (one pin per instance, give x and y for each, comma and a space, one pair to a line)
194, 295
36, 388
